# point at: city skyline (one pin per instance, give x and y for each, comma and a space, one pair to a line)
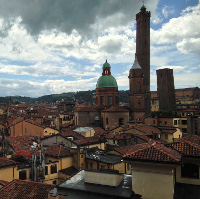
48, 48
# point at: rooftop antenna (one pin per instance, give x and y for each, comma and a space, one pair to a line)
143, 2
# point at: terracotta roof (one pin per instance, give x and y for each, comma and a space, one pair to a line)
144, 137
79, 139
5, 162
99, 131
69, 128
185, 89
115, 109
19, 143
21, 189
118, 136
58, 151
70, 171
87, 108
3, 182
169, 131
65, 125
29, 121
188, 145
152, 152
148, 139
148, 129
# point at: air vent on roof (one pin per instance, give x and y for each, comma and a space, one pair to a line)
71, 138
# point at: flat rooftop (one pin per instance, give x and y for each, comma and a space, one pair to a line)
77, 188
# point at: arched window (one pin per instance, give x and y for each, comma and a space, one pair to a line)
138, 86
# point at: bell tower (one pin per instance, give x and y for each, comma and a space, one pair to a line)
136, 92
143, 51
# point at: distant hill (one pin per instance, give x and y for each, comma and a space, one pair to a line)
79, 96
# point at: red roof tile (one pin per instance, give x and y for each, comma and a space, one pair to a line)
186, 89
5, 162
153, 152
21, 189
99, 131
3, 182
58, 151
115, 109
144, 137
169, 131
148, 129
87, 108
188, 145
118, 136
80, 139
19, 143
30, 122
70, 171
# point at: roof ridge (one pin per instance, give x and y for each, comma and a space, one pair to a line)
138, 150
164, 151
32, 182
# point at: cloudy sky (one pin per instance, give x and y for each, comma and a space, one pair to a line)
51, 46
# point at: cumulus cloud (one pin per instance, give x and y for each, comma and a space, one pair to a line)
190, 45
92, 68
68, 41
67, 15
47, 69
186, 26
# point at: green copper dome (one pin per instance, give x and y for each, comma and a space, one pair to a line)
106, 64
106, 81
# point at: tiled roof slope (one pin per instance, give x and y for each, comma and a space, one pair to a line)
70, 171
187, 146
115, 109
99, 131
87, 108
58, 151
5, 162
21, 189
169, 131
148, 129
3, 182
18, 142
118, 136
30, 122
80, 139
152, 152
185, 89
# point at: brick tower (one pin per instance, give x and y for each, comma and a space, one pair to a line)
143, 51
136, 92
165, 89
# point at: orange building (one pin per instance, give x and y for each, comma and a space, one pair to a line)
28, 128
